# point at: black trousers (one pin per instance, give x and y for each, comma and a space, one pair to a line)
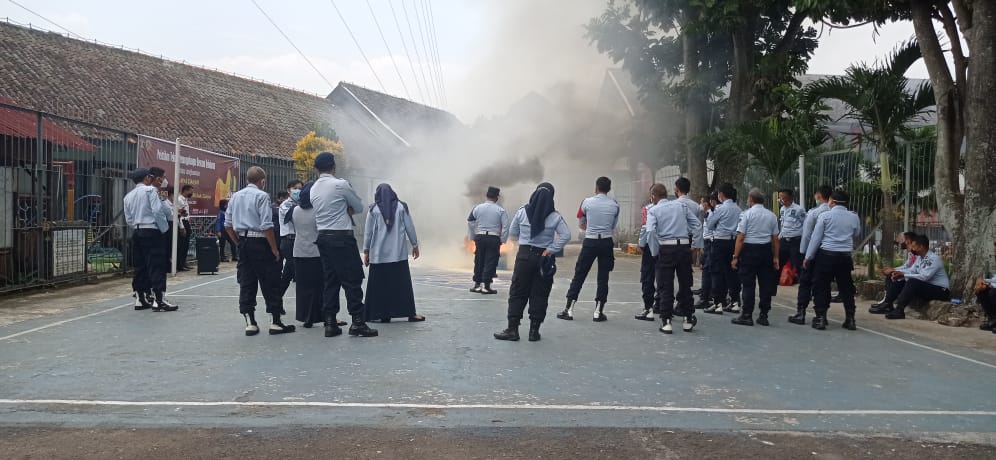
166, 240
789, 251
725, 281
148, 253
893, 288
756, 266
528, 286
827, 268
343, 270
223, 238
805, 286
706, 275
287, 253
183, 244
987, 299
921, 290
593, 249
674, 260
486, 255
648, 274
258, 269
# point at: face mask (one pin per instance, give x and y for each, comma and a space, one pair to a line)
165, 183
295, 194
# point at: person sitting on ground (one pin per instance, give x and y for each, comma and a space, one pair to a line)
894, 287
985, 293
926, 280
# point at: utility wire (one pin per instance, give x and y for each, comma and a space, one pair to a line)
439, 62
48, 20
421, 68
425, 48
275, 26
374, 72
389, 53
411, 64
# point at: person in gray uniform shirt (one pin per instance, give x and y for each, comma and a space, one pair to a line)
792, 217
250, 224
142, 212
805, 293
723, 225
335, 203
669, 224
287, 233
487, 227
829, 253
755, 257
597, 216
542, 233
387, 236
648, 261
681, 188
927, 280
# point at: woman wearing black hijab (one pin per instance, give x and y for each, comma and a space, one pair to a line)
542, 233
388, 233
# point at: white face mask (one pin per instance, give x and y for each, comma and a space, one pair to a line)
165, 183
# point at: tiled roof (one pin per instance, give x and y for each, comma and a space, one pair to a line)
409, 120
143, 94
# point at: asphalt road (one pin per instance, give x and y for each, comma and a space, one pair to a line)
101, 377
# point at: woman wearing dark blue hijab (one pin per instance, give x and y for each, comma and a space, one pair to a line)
386, 238
542, 233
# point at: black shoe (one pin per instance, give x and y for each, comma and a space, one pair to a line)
162, 305
252, 329
511, 333
881, 308
849, 324
762, 319
362, 330
647, 315
820, 323
715, 309
487, 290
278, 328
896, 314
568, 313
702, 303
307, 325
534, 334
836, 298
599, 317
799, 317
982, 327
332, 330
476, 288
696, 291
743, 320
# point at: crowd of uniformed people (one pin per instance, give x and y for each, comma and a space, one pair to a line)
308, 237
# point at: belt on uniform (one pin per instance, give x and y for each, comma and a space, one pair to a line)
487, 233
336, 232
532, 249
791, 237
722, 238
675, 242
836, 253
141, 226
598, 236
252, 234
289, 236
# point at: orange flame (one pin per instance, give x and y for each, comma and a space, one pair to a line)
471, 247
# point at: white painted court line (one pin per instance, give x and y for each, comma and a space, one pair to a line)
907, 342
101, 312
528, 407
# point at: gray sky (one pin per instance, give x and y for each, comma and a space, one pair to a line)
491, 52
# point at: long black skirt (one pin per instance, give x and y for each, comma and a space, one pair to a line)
309, 284
389, 291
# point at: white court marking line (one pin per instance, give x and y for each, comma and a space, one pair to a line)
908, 342
530, 407
101, 312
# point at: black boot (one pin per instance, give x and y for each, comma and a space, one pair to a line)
702, 303
359, 328
881, 308
849, 323
898, 313
476, 288
278, 326
820, 322
161, 303
534, 334
598, 315
511, 333
743, 320
332, 328
251, 327
799, 317
568, 312
762, 318
647, 315
142, 301
487, 289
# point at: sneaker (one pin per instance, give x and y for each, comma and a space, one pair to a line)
666, 326
252, 329
477, 288
690, 322
734, 307
646, 315
163, 305
716, 309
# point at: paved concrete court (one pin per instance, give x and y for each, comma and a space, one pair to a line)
108, 365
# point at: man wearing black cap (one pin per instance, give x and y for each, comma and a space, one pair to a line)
142, 214
335, 202
487, 227
829, 255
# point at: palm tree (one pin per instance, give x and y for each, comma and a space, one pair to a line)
878, 98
